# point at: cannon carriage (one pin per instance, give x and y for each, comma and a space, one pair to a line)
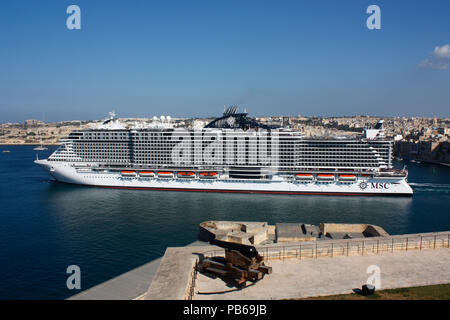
241, 263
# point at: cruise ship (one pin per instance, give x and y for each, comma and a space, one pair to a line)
233, 153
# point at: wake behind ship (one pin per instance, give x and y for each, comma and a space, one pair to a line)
233, 153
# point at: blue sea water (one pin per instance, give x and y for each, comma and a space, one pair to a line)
46, 226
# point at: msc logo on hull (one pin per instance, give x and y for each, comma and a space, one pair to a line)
375, 185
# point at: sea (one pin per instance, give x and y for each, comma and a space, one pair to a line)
46, 226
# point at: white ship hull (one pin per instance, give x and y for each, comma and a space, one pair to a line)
382, 186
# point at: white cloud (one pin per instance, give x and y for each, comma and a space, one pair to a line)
439, 58
442, 52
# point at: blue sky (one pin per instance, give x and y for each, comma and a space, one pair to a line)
190, 58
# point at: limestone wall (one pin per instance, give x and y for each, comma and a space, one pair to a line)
366, 229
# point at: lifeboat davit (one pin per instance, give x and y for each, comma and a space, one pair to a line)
347, 177
165, 174
208, 175
128, 173
146, 173
325, 177
304, 176
186, 174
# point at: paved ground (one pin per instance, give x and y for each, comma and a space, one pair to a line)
127, 286
338, 275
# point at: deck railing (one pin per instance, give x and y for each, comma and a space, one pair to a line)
350, 247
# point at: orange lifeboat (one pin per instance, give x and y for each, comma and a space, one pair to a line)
304, 176
128, 173
322, 176
347, 177
165, 174
208, 175
146, 173
186, 174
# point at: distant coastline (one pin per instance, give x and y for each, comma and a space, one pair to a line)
415, 138
29, 144
427, 161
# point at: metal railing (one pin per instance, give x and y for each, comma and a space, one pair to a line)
191, 287
350, 247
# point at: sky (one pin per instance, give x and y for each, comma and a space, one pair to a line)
189, 58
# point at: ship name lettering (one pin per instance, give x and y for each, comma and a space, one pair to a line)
379, 185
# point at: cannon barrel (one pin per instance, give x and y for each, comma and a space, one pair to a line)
246, 250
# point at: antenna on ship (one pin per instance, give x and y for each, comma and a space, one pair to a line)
230, 110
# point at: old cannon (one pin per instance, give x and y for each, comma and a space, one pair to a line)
241, 263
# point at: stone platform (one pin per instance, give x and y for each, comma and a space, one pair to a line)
261, 233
